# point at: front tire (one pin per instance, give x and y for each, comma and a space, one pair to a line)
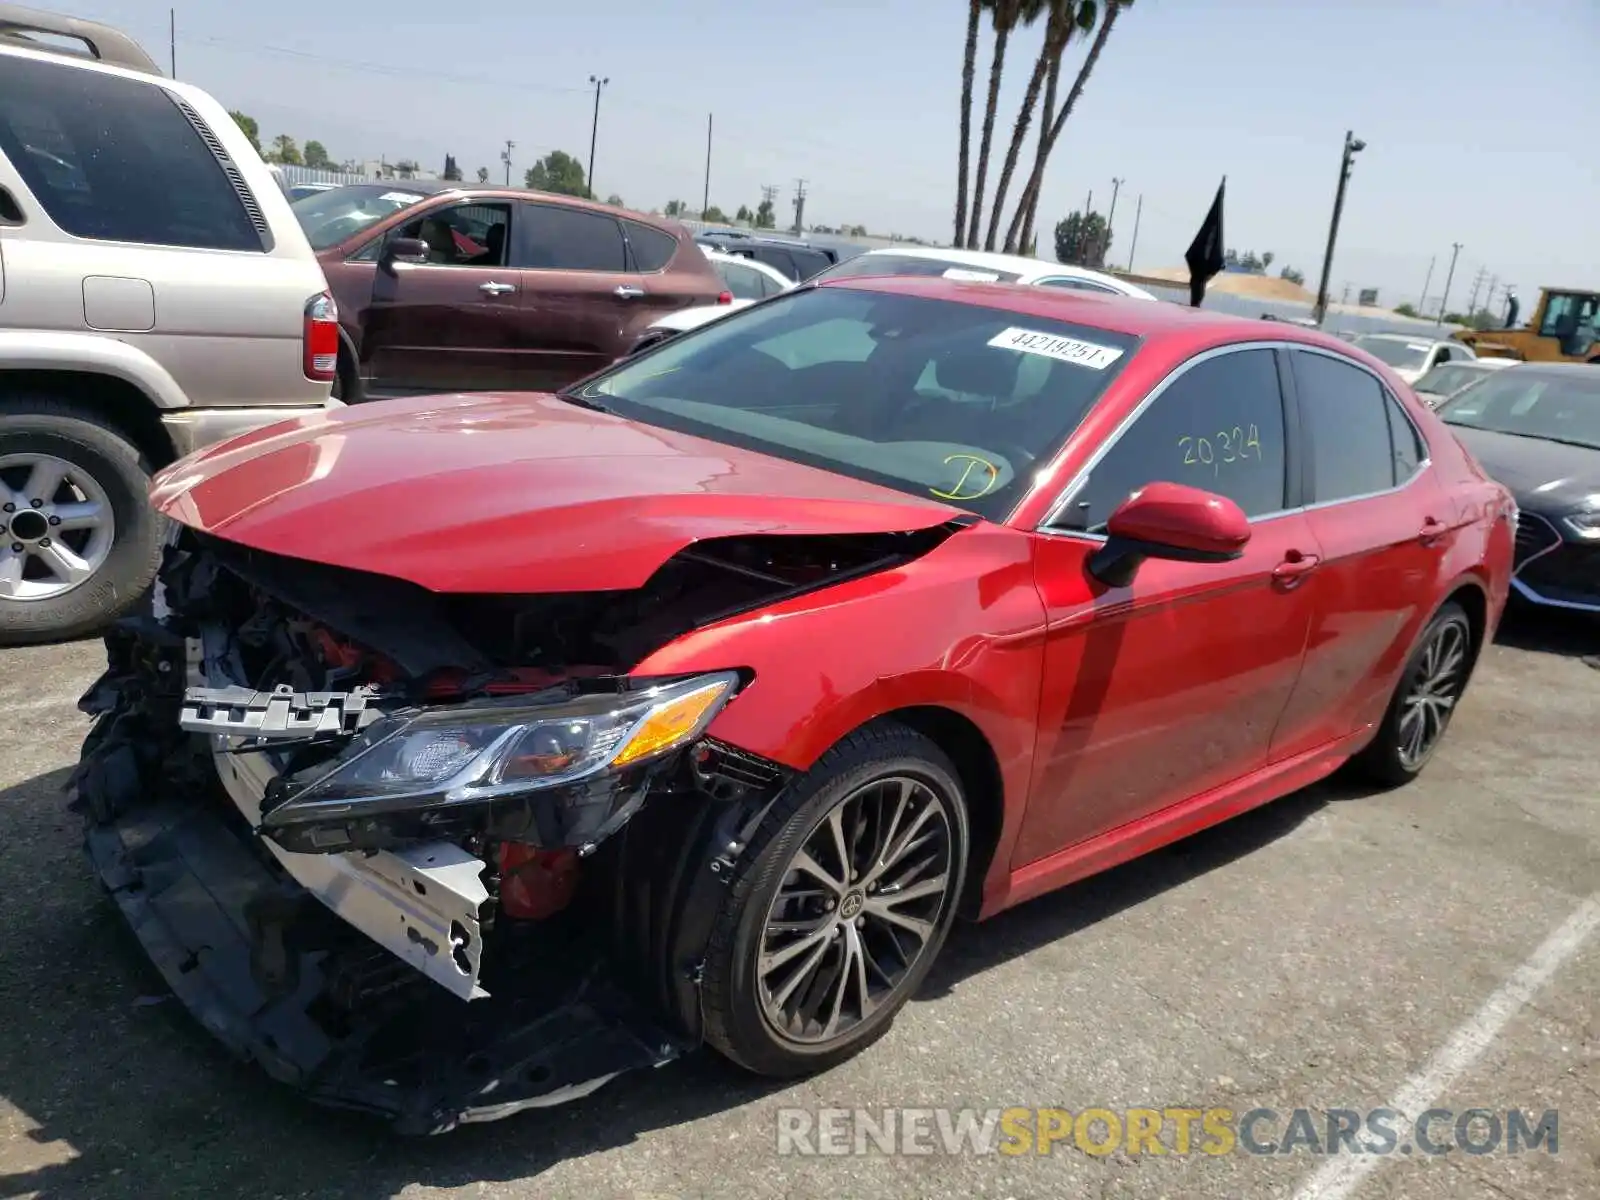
1424, 700
79, 543
844, 899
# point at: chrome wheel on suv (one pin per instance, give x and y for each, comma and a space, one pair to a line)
56, 526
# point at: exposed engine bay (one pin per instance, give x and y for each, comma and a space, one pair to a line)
440, 857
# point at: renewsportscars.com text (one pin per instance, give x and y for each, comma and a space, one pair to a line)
1161, 1131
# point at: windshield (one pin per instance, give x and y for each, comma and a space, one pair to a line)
1448, 379
1562, 408
1398, 354
331, 216
952, 401
912, 264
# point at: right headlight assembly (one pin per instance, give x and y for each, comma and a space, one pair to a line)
499, 749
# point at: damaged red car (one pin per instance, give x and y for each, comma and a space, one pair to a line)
477, 749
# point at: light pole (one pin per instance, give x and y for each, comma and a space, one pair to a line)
594, 129
1116, 186
1352, 147
1455, 249
505, 157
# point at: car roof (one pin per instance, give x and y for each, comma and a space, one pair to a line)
1027, 268
1118, 314
1558, 370
437, 187
1423, 338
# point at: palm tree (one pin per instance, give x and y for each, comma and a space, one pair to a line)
1021, 229
969, 68
1058, 29
1007, 15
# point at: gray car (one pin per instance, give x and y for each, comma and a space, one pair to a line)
156, 294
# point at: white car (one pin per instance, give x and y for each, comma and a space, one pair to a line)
981, 266
1413, 357
746, 280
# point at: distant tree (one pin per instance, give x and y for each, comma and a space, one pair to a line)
765, 219
675, 208
483, 174
285, 151
1292, 275
1266, 260
714, 216
249, 126
856, 231
557, 172
615, 201
350, 167
744, 214
407, 168
1082, 240
317, 156
1230, 257
1406, 310
451, 170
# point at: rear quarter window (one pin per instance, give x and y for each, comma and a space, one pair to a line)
652, 249
117, 160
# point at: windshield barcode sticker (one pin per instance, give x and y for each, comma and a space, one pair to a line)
967, 275
1031, 341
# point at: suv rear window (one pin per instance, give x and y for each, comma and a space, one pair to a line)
116, 160
652, 249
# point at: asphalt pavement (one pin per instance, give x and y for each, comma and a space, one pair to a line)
1436, 946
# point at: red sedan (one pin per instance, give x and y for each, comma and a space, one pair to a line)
482, 747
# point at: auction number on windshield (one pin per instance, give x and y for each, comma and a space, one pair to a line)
1224, 447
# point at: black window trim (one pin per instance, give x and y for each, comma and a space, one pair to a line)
1307, 479
1294, 469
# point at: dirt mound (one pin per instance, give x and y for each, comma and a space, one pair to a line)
1256, 287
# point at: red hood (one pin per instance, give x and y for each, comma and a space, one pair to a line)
514, 493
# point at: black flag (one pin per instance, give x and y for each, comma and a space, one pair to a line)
1205, 253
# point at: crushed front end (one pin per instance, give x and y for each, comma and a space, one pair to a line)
438, 858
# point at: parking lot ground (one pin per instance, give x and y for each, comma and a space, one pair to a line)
1335, 950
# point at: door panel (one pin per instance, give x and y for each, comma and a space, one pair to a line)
1162, 690
582, 307
1382, 520
453, 323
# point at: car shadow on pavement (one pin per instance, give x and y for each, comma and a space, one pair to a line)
1551, 631
121, 1094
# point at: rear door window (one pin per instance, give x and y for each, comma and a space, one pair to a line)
118, 160
1350, 450
555, 238
746, 283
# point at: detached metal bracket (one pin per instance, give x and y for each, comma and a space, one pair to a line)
278, 715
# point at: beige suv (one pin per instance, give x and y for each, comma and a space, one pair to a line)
156, 294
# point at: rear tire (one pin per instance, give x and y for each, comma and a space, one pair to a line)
43, 430
801, 975
1431, 685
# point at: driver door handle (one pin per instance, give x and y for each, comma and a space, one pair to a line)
624, 291
1294, 567
496, 289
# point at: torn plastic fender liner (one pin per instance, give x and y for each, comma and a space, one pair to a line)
186, 882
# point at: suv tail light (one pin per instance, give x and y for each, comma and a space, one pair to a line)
321, 338
724, 297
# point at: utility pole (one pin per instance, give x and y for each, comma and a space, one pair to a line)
1352, 146
1116, 186
1422, 304
1134, 245
769, 197
172, 39
799, 206
1477, 282
505, 157
594, 128
1444, 300
705, 196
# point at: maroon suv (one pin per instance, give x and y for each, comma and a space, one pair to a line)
443, 287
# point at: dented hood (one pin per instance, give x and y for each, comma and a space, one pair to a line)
507, 493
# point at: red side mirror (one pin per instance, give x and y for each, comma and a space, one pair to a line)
1172, 521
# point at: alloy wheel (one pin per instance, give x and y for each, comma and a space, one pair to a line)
859, 904
1436, 685
56, 526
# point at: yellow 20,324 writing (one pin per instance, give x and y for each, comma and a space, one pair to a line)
1228, 446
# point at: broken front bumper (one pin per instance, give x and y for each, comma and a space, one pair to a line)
280, 982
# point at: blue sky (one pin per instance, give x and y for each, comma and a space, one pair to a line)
1479, 130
